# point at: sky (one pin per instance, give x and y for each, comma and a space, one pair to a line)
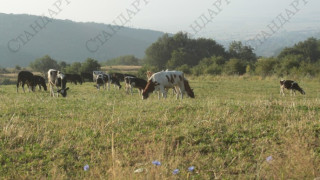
229, 16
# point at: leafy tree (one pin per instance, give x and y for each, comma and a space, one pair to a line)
90, 65
234, 67
288, 63
266, 66
74, 68
309, 50
178, 58
44, 64
129, 60
185, 69
244, 53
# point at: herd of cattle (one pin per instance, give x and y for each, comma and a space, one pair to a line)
161, 81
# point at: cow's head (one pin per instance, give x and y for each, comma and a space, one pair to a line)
63, 92
150, 87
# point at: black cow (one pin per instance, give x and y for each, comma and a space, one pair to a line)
290, 85
134, 82
74, 78
40, 81
26, 77
85, 75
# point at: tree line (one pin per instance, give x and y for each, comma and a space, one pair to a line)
204, 56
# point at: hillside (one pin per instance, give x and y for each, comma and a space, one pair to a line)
66, 40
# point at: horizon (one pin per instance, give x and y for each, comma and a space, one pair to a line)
227, 16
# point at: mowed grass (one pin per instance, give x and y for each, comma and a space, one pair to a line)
228, 131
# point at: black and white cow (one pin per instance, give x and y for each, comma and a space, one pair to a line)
134, 82
74, 78
102, 79
290, 85
26, 77
121, 76
163, 80
57, 79
40, 81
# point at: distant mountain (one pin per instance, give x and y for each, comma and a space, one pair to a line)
65, 40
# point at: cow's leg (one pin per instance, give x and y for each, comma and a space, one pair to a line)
164, 92
282, 91
23, 86
18, 85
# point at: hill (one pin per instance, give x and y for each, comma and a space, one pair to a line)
66, 40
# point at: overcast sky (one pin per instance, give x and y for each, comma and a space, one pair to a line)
167, 15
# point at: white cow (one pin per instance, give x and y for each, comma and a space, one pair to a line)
57, 79
163, 80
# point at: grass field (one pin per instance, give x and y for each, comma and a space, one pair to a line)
235, 128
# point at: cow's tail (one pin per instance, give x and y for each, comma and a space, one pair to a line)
188, 88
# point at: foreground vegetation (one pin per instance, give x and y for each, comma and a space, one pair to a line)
236, 128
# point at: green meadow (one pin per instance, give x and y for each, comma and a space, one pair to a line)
236, 128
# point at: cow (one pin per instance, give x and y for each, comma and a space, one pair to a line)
290, 85
85, 75
134, 82
150, 73
57, 79
40, 81
168, 79
103, 79
74, 78
121, 76
26, 77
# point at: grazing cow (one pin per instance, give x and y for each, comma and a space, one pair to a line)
85, 75
73, 78
134, 82
168, 79
150, 73
26, 77
57, 79
290, 85
121, 76
40, 81
103, 79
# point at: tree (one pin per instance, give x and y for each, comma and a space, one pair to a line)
266, 66
178, 58
241, 52
90, 65
235, 67
74, 68
44, 64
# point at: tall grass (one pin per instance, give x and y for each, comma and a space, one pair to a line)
227, 132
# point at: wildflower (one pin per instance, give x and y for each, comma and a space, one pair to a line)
191, 168
86, 167
176, 171
269, 158
157, 163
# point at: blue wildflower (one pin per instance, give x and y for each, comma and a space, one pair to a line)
176, 171
157, 163
86, 167
269, 158
191, 168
